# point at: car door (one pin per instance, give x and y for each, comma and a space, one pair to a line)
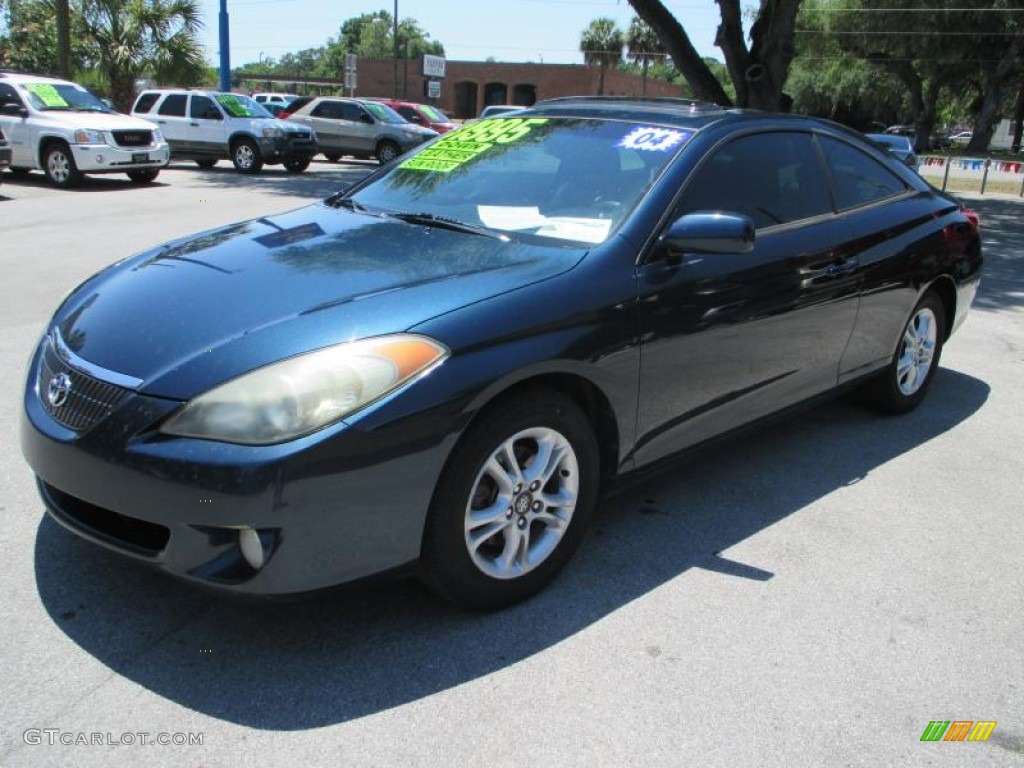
360, 129
325, 119
17, 129
731, 337
207, 127
171, 117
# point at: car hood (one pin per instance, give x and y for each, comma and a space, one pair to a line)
193, 313
99, 121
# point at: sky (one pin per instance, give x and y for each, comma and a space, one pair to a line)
509, 30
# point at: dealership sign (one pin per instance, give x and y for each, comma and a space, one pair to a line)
433, 66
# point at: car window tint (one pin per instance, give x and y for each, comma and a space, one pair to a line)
351, 111
858, 179
774, 178
174, 105
201, 105
329, 109
145, 102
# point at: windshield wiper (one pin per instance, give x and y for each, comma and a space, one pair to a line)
441, 222
347, 202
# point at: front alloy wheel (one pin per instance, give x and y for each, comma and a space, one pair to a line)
513, 502
59, 166
246, 156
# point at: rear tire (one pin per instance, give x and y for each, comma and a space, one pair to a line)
904, 382
59, 166
246, 156
144, 176
513, 502
296, 165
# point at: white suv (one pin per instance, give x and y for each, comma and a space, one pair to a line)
207, 126
63, 129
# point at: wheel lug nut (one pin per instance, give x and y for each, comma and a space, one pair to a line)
534, 485
508, 513
522, 522
536, 506
519, 488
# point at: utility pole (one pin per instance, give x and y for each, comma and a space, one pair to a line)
225, 48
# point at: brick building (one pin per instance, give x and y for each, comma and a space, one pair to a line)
469, 86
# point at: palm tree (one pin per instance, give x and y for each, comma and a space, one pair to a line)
644, 47
144, 37
601, 44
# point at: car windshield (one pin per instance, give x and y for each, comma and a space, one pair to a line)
383, 112
237, 105
558, 178
63, 96
435, 115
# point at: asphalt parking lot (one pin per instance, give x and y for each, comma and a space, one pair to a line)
813, 594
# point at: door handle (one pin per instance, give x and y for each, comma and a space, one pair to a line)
844, 267
194, 125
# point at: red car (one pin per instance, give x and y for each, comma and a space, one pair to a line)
421, 114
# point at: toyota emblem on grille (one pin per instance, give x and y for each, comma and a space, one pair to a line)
58, 389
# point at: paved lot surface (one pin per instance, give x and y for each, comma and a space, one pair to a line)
811, 595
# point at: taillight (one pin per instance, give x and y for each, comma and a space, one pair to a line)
283, 115
972, 216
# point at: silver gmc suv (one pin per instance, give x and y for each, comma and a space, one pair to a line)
60, 127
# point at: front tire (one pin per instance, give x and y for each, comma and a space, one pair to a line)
513, 503
59, 166
246, 156
143, 176
904, 382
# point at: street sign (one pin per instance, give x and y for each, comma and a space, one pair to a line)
350, 79
433, 89
350, 62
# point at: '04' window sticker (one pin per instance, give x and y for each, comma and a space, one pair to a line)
651, 139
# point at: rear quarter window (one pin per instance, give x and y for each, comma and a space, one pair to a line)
145, 102
173, 105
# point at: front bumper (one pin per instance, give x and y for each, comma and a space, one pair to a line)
326, 508
277, 149
103, 158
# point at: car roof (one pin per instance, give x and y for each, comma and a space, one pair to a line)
22, 77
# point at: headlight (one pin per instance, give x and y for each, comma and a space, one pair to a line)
300, 395
157, 136
272, 132
83, 136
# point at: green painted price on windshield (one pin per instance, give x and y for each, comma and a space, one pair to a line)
459, 147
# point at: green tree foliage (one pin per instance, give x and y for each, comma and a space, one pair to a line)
643, 47
30, 41
601, 44
133, 38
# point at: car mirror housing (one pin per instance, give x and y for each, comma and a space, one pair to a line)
711, 232
13, 110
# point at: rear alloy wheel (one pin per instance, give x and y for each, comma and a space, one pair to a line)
207, 162
904, 382
387, 151
144, 176
296, 165
59, 166
246, 156
514, 502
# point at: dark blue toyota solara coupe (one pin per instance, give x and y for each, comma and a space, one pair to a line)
443, 367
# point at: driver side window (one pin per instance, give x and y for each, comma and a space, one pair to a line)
774, 178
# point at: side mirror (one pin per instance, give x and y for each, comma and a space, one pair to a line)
710, 232
13, 110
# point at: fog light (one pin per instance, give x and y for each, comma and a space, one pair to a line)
252, 548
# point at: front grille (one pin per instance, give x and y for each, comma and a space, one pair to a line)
133, 138
138, 536
89, 400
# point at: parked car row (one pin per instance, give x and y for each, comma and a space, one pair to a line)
61, 128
